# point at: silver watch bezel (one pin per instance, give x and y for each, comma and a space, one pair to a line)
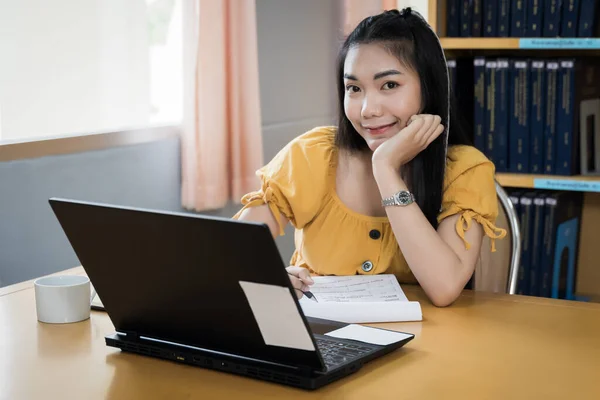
401, 198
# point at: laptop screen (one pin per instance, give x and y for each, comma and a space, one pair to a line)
176, 277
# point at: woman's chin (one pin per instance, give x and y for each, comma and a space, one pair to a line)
375, 143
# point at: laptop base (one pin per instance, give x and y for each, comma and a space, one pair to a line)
277, 373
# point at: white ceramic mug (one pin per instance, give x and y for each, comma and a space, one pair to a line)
62, 299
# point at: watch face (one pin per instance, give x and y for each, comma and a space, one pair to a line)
404, 197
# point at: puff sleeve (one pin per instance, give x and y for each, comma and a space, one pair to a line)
469, 190
295, 181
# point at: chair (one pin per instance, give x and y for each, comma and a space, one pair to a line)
499, 271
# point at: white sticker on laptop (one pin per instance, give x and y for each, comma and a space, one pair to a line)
366, 334
277, 316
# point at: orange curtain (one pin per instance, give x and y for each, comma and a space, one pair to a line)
357, 10
221, 139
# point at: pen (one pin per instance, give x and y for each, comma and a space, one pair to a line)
308, 293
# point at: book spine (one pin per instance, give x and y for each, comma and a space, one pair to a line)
564, 119
501, 134
526, 222
477, 27
535, 11
537, 117
517, 18
504, 18
466, 18
451, 63
548, 247
565, 251
568, 236
490, 18
479, 108
550, 127
513, 116
536, 246
519, 118
490, 105
552, 18
587, 18
570, 12
453, 19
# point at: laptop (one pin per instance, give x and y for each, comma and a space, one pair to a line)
211, 292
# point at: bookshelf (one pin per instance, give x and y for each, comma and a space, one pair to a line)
479, 43
509, 43
587, 282
589, 184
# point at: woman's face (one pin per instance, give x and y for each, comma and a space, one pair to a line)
381, 93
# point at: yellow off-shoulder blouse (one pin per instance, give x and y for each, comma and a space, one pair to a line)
330, 238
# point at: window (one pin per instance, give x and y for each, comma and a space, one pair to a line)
76, 67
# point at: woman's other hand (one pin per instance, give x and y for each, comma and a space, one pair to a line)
300, 278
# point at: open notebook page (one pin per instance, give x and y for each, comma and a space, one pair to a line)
360, 299
357, 288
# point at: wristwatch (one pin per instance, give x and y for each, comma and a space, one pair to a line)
402, 198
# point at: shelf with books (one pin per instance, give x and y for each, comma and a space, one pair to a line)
511, 43
542, 86
551, 182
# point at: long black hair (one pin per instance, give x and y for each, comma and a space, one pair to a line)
407, 36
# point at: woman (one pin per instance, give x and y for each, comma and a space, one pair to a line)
391, 189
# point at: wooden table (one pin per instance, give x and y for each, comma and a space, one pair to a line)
485, 346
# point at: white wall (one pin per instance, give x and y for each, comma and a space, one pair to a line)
71, 66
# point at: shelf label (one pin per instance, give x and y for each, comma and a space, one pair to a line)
566, 184
559, 43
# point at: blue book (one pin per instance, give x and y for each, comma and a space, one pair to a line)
453, 18
563, 214
587, 18
537, 116
565, 137
552, 13
566, 255
537, 241
504, 18
501, 131
466, 17
479, 109
490, 18
451, 63
550, 121
534, 18
477, 26
491, 109
525, 225
548, 247
518, 134
518, 11
570, 14
515, 198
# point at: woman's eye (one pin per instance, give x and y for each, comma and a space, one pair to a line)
390, 85
352, 88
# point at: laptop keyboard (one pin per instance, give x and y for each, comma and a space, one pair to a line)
335, 353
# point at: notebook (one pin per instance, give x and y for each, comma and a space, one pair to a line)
360, 299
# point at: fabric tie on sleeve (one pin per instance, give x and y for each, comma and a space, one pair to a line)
491, 231
260, 198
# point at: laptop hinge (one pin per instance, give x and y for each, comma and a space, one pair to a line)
131, 335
